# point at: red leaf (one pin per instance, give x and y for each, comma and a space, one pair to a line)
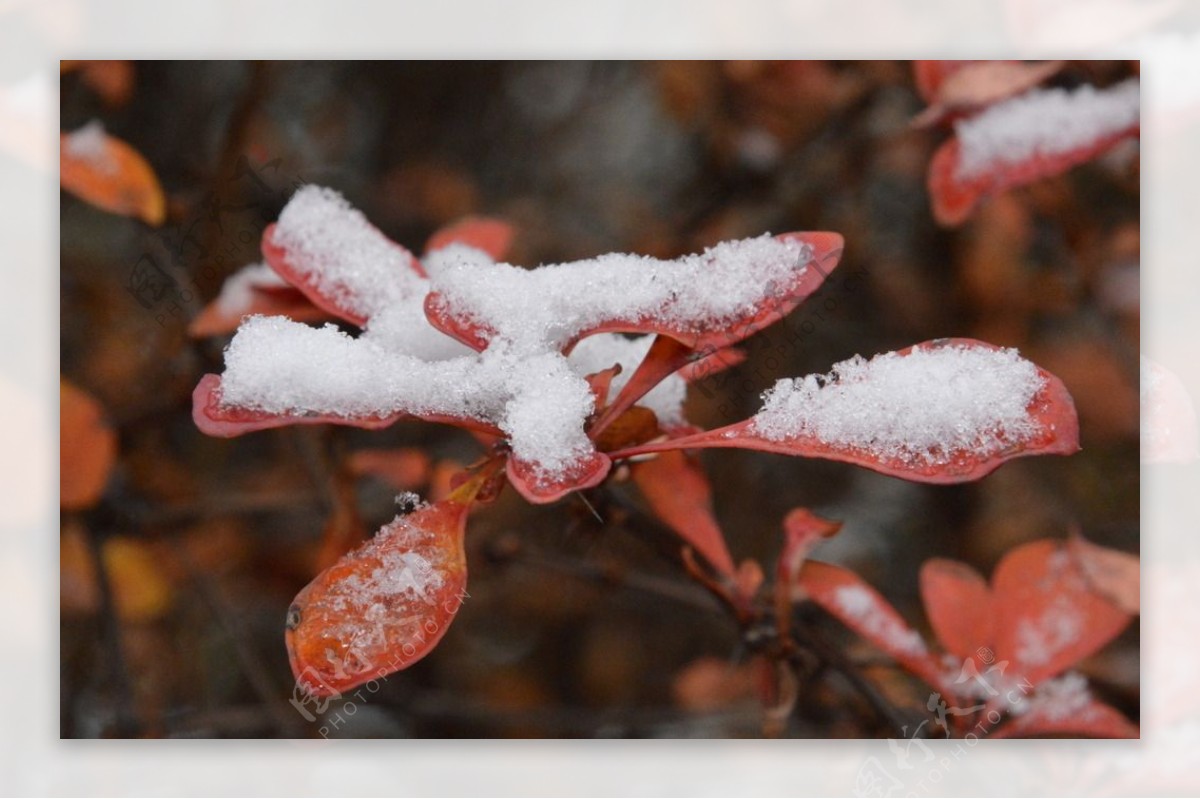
954, 198
802, 531
1051, 409
1113, 574
826, 250
533, 484
601, 383
678, 492
223, 421
930, 75
958, 603
974, 84
492, 236
844, 595
1047, 616
345, 305
87, 448
1091, 719
290, 302
712, 363
382, 607
664, 358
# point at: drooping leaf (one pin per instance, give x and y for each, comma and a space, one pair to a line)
677, 490
385, 605
87, 448
1047, 616
958, 603
108, 173
1051, 412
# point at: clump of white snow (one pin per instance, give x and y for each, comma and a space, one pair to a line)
90, 143
859, 604
920, 407
547, 306
1044, 122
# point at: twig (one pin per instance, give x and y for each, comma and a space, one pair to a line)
126, 724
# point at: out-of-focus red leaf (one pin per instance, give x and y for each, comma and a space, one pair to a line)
748, 579
678, 492
403, 468
87, 448
1047, 617
344, 306
929, 76
1052, 411
974, 84
112, 80
1092, 719
954, 198
214, 320
826, 251
532, 483
636, 425
844, 595
384, 606
223, 421
711, 683
802, 531
1111, 573
958, 603
110, 174
344, 529
492, 236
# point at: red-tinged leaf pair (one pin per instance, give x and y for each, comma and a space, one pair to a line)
1009, 133
1006, 647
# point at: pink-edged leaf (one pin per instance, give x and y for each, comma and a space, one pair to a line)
384, 606
826, 250
847, 597
955, 197
224, 421
215, 320
1051, 413
677, 490
712, 363
1111, 573
1088, 719
975, 84
533, 484
1047, 616
664, 358
344, 304
492, 236
802, 531
958, 603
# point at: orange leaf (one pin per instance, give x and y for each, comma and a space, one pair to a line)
492, 236
108, 173
958, 603
87, 448
678, 492
1047, 617
404, 468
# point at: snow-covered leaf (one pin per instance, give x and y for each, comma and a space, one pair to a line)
970, 85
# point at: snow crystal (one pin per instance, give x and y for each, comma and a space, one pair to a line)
1060, 699
923, 406
237, 293
599, 352
859, 604
1044, 122
547, 306
343, 254
1041, 639
90, 143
